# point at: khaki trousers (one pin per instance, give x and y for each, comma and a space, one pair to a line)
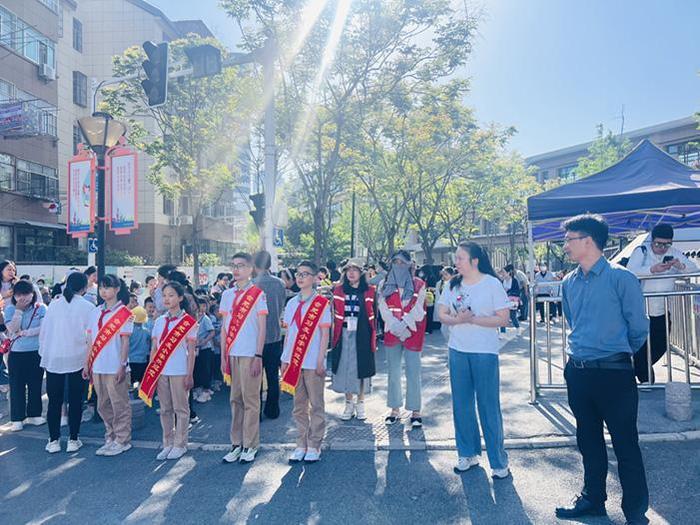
311, 424
113, 406
245, 403
174, 410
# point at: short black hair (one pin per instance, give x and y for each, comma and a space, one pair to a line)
263, 260
149, 278
90, 270
309, 264
662, 231
164, 270
592, 225
23, 287
243, 255
148, 300
324, 270
25, 277
220, 276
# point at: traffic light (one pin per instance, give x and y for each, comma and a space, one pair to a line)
205, 60
156, 67
258, 211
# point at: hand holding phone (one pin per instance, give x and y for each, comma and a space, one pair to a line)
667, 259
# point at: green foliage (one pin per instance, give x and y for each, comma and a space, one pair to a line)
122, 258
606, 150
205, 259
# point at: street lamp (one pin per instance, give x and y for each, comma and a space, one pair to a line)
101, 132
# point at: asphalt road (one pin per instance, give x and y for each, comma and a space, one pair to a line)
376, 487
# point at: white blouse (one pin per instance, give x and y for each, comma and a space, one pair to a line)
63, 343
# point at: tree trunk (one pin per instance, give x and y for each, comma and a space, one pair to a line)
319, 235
195, 250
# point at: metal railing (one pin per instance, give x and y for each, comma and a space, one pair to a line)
682, 333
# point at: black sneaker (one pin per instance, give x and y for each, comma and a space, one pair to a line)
390, 420
416, 422
195, 419
581, 507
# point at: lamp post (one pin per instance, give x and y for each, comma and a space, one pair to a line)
101, 132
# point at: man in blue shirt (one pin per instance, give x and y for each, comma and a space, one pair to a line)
604, 307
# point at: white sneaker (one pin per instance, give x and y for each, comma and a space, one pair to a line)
53, 446
117, 448
500, 473
360, 411
312, 455
248, 455
101, 451
233, 455
176, 452
74, 445
348, 412
297, 455
16, 426
64, 421
163, 454
465, 463
87, 415
35, 421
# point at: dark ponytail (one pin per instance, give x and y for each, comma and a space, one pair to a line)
475, 251
112, 281
185, 303
76, 283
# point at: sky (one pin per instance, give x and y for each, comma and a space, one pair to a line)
555, 69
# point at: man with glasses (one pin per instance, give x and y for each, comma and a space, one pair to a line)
604, 307
657, 257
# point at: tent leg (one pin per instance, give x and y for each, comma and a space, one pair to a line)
531, 252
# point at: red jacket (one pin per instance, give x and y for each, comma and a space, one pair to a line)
339, 314
415, 342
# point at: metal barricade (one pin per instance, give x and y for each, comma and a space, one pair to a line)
681, 325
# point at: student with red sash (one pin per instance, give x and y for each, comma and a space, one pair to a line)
110, 327
307, 317
171, 366
402, 305
244, 313
354, 338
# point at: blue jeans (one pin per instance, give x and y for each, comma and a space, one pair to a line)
413, 383
475, 378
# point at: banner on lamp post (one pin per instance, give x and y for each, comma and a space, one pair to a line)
123, 177
81, 195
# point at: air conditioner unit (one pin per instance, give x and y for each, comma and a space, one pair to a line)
174, 221
47, 72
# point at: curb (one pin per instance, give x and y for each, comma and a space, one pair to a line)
533, 443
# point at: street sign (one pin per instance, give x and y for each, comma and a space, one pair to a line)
278, 238
92, 244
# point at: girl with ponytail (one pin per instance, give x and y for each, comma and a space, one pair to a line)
474, 307
107, 364
63, 349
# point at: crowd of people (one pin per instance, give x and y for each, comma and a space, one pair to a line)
262, 334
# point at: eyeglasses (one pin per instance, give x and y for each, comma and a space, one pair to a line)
569, 239
304, 275
662, 244
239, 266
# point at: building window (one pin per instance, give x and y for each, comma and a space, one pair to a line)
51, 4
6, 251
567, 172
7, 172
38, 244
79, 89
184, 206
77, 35
687, 152
168, 206
25, 40
36, 180
77, 138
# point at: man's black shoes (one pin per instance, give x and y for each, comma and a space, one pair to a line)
581, 507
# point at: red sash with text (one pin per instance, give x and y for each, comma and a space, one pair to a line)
104, 336
290, 379
166, 348
239, 315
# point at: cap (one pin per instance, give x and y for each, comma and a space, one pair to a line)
355, 262
140, 315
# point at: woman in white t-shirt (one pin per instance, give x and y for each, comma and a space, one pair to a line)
63, 347
109, 368
475, 305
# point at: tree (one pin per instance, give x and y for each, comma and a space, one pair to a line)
606, 150
195, 137
333, 75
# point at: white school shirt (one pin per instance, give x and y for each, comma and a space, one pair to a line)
177, 364
108, 360
484, 298
311, 357
246, 343
63, 336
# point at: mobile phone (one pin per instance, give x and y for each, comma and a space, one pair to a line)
668, 258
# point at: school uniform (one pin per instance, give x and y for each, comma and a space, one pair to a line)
309, 406
139, 350
172, 394
112, 395
245, 389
